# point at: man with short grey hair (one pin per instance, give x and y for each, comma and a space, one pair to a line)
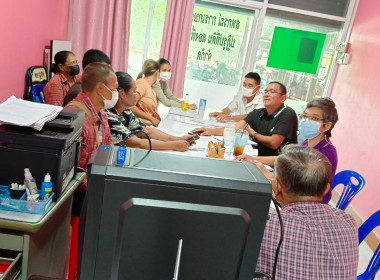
319, 242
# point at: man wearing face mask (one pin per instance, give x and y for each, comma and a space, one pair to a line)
66, 70
99, 91
99, 86
247, 99
162, 90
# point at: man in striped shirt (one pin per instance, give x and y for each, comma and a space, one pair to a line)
319, 242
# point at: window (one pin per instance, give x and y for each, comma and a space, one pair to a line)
229, 36
146, 29
218, 46
302, 87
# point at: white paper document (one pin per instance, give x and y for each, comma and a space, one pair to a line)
26, 113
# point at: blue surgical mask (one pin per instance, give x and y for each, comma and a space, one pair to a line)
309, 129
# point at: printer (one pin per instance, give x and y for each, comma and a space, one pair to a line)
54, 150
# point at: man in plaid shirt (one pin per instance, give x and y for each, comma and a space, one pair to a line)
320, 242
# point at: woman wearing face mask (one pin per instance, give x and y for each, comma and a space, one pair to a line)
124, 124
162, 90
66, 70
317, 121
146, 107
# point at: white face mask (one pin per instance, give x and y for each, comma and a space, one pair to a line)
165, 76
248, 92
110, 103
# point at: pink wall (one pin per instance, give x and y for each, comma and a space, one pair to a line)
357, 94
26, 27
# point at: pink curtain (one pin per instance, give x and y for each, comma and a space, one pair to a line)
102, 25
176, 39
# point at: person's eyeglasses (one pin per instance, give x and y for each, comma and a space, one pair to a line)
270, 92
311, 118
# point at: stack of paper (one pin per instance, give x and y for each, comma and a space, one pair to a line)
26, 113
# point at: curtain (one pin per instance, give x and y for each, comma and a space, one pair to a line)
103, 25
176, 39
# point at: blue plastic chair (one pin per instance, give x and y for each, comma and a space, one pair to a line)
374, 264
350, 189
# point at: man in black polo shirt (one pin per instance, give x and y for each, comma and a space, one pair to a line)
272, 126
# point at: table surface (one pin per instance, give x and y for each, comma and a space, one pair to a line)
178, 123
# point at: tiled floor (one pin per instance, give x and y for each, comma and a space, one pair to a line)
365, 255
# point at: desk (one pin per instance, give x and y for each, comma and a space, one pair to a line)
178, 123
42, 241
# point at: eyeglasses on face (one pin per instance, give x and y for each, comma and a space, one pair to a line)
271, 92
311, 118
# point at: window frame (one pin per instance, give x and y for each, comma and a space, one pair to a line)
260, 13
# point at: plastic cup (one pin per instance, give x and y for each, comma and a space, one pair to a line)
240, 141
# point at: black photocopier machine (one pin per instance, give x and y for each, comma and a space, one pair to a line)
54, 150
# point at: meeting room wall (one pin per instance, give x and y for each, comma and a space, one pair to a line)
26, 27
356, 92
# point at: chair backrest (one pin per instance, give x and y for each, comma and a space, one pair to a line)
35, 81
374, 264
350, 189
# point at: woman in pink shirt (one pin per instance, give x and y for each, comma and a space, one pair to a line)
146, 107
66, 70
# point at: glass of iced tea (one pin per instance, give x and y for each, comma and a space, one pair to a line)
241, 138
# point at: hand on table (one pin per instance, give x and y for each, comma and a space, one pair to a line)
245, 157
186, 137
214, 114
180, 145
203, 131
222, 118
192, 107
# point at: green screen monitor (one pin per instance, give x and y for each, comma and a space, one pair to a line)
296, 50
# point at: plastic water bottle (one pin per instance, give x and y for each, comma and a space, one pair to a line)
29, 182
228, 136
202, 108
46, 186
185, 102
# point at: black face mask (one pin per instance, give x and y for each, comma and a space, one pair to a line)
74, 70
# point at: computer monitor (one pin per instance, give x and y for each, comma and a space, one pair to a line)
172, 215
